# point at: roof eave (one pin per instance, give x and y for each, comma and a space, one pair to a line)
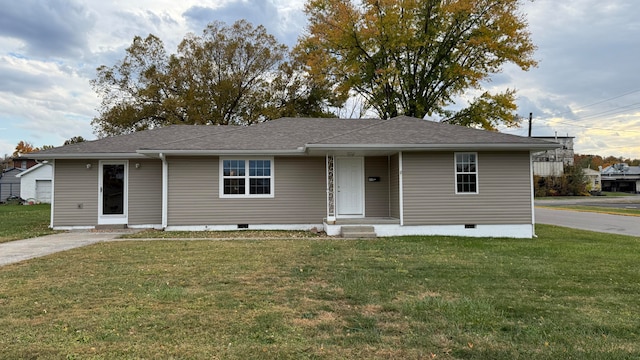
157, 152
434, 147
84, 156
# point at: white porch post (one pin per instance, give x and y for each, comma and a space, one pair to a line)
165, 190
400, 189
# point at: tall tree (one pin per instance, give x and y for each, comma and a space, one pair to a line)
74, 140
24, 147
235, 74
416, 57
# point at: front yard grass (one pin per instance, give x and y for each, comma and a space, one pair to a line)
568, 294
24, 221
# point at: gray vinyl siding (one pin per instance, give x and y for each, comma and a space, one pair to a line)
394, 186
75, 186
504, 192
145, 192
300, 194
376, 193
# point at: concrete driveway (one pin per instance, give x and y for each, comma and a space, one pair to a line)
19, 250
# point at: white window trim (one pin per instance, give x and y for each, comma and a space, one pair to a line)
246, 177
456, 173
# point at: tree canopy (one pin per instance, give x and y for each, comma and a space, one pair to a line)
416, 57
236, 74
24, 147
74, 140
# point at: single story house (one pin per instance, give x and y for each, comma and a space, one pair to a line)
9, 183
594, 180
35, 184
403, 176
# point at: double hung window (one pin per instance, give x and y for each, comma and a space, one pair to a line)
246, 178
466, 173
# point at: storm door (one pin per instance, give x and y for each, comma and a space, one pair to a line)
112, 192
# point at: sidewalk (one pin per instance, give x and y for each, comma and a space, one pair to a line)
19, 250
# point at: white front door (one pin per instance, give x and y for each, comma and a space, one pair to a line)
112, 192
350, 187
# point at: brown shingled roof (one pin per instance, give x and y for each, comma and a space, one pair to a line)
298, 134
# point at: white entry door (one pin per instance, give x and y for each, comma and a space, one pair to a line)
112, 192
350, 187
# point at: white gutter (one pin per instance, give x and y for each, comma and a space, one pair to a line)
298, 151
86, 156
165, 190
432, 147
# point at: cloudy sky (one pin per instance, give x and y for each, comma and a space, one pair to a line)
587, 84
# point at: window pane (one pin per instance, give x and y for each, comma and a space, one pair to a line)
234, 186
259, 168
260, 186
233, 167
466, 182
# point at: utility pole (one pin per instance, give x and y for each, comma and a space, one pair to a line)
530, 121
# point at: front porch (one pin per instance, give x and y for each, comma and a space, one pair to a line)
366, 227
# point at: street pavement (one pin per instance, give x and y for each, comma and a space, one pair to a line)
615, 224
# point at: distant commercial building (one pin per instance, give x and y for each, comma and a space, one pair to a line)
552, 162
621, 177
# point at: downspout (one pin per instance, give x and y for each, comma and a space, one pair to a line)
53, 192
165, 189
533, 194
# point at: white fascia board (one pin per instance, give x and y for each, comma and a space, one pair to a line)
432, 147
33, 168
155, 153
85, 156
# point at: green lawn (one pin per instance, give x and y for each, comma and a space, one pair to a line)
566, 295
24, 221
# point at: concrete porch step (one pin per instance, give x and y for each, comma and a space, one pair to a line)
111, 227
358, 232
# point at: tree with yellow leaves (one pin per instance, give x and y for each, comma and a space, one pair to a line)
417, 57
24, 147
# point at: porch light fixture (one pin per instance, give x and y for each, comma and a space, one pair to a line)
137, 165
88, 165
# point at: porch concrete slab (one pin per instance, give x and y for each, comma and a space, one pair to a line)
19, 250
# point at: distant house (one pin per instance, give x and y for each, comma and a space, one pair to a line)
35, 184
594, 180
402, 176
9, 183
621, 177
21, 162
552, 162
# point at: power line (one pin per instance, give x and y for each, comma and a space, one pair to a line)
599, 102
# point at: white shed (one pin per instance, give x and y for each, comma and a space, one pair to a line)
35, 184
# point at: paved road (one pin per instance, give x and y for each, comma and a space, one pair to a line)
16, 251
616, 224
